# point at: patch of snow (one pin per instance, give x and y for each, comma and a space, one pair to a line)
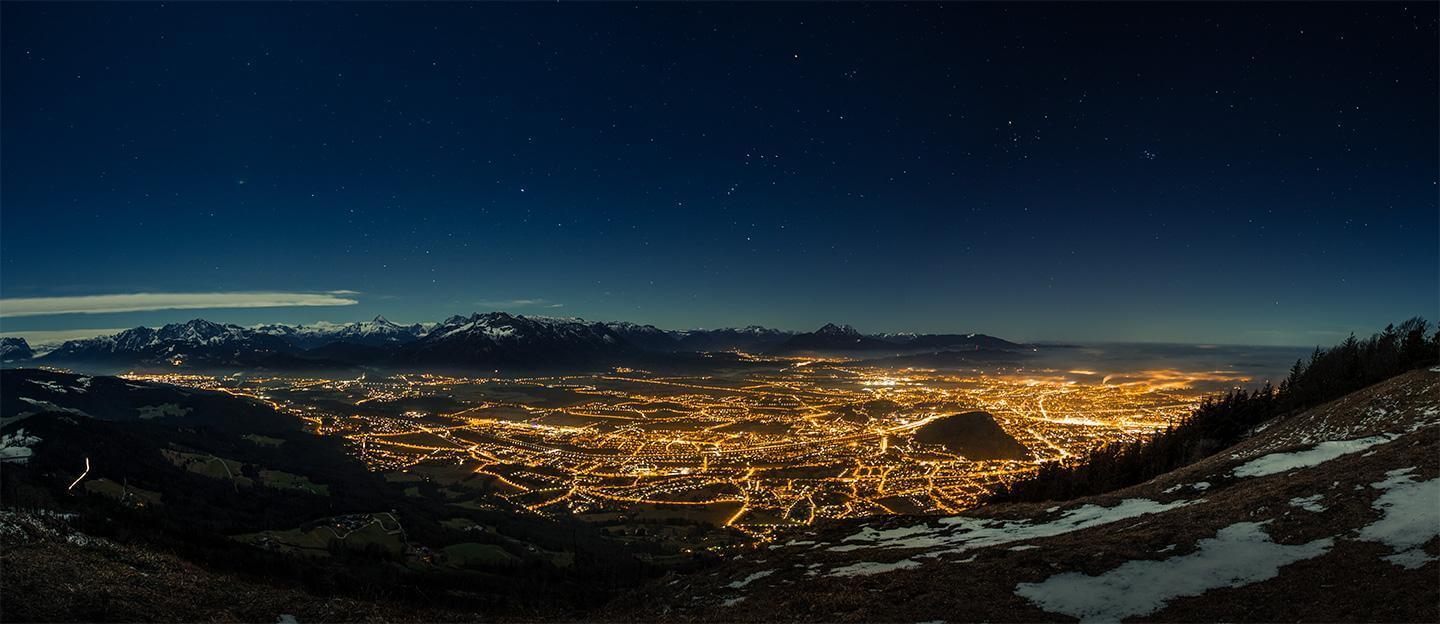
15, 447
1263, 426
960, 533
1411, 517
866, 568
46, 406
750, 579
147, 412
1024, 547
1199, 486
1309, 503
1276, 463
730, 602
50, 385
1238, 555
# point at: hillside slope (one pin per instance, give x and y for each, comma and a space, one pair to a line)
54, 573
137, 501
1330, 515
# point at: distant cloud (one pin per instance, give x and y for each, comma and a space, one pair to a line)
519, 303
140, 302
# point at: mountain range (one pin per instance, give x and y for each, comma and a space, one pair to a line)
495, 340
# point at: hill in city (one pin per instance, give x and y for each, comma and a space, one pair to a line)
974, 435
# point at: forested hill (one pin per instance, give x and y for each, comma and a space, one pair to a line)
1222, 421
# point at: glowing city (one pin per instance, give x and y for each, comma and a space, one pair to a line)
784, 443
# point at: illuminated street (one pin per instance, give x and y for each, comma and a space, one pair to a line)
784, 443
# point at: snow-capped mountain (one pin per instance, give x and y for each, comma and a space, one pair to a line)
962, 341
495, 340
196, 342
502, 339
15, 350
648, 337
832, 337
376, 332
897, 336
749, 338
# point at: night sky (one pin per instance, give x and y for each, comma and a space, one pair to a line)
1255, 174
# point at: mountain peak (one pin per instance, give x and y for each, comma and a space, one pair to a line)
15, 348
832, 329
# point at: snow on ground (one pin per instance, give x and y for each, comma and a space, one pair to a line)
16, 447
46, 406
1406, 404
50, 385
1276, 463
1411, 517
960, 533
750, 579
1308, 503
866, 568
1238, 555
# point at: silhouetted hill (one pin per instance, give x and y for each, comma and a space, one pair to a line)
975, 435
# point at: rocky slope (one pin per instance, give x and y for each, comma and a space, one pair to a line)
1329, 515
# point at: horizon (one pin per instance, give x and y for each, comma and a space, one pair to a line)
53, 337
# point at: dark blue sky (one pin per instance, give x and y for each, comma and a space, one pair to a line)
1213, 173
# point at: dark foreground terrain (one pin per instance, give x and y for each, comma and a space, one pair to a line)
1328, 515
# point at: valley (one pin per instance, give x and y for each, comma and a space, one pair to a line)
746, 449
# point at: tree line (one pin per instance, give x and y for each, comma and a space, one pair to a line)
1223, 420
